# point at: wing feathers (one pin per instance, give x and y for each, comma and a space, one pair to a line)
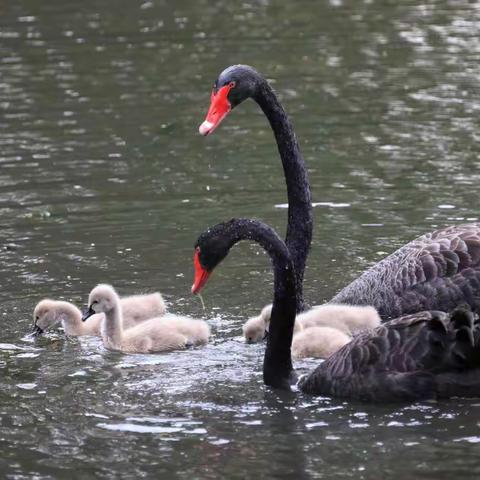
433, 271
410, 357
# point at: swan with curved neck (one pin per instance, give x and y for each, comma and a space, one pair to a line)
430, 354
236, 84
435, 271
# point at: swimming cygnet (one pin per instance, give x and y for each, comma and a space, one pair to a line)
254, 328
154, 335
136, 308
349, 319
318, 342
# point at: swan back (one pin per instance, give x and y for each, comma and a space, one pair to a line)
430, 354
436, 271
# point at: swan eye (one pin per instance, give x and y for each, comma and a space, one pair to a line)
232, 84
37, 318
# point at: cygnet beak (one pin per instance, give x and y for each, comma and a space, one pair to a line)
88, 313
37, 331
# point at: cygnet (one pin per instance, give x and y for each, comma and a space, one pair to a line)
150, 336
136, 309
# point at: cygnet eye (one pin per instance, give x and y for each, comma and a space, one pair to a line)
37, 317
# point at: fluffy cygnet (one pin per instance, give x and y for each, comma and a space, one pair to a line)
350, 319
136, 308
255, 327
196, 331
48, 313
154, 335
318, 342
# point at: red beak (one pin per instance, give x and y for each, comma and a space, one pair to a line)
219, 108
201, 275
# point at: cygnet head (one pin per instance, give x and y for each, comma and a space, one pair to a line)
255, 328
43, 316
102, 298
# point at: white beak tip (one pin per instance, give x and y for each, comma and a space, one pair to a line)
205, 128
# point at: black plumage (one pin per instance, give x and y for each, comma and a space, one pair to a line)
428, 354
436, 271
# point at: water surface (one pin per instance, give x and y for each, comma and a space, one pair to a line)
104, 178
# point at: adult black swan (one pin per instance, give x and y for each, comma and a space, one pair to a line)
437, 271
232, 87
426, 355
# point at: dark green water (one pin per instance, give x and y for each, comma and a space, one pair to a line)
104, 178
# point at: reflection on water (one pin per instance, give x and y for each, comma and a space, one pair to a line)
104, 178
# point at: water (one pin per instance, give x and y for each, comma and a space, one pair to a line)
104, 178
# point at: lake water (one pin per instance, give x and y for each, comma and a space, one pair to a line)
104, 178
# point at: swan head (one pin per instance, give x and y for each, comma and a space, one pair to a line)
43, 316
234, 85
211, 248
103, 298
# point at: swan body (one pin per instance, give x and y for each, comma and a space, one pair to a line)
150, 336
436, 271
426, 355
318, 342
136, 308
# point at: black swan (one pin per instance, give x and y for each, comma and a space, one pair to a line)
426, 355
232, 87
434, 272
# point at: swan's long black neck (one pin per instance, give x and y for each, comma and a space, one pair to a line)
300, 218
277, 366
